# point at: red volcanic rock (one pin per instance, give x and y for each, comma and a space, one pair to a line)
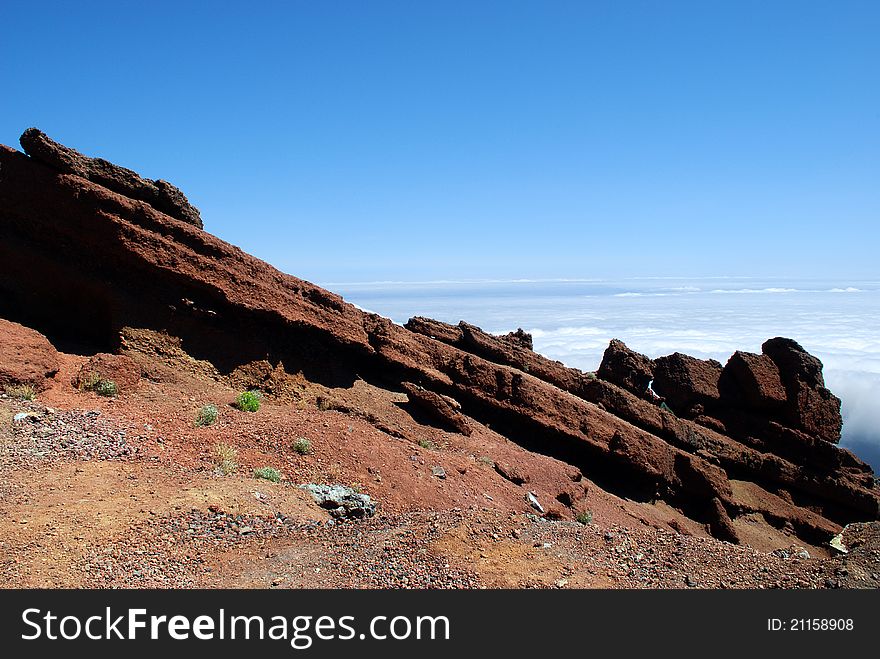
686, 381
757, 377
441, 408
511, 472
519, 338
161, 195
84, 261
26, 357
626, 368
120, 369
810, 406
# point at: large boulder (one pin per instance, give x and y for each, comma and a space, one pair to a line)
686, 381
26, 357
626, 368
757, 380
160, 194
810, 406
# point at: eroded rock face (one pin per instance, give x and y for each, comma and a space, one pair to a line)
160, 194
810, 406
26, 357
757, 378
626, 368
126, 264
686, 381
442, 409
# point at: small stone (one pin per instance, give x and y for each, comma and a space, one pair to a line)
439, 472
532, 500
689, 580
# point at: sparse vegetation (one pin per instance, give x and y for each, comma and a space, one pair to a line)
585, 517
89, 381
268, 474
93, 381
207, 415
225, 459
302, 446
22, 392
427, 444
248, 401
106, 388
486, 460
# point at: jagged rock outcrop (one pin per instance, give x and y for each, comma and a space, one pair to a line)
160, 194
26, 357
756, 378
626, 368
685, 381
810, 406
520, 338
116, 262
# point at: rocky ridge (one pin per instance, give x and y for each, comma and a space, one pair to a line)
90, 249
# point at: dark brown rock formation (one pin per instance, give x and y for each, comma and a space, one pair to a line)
26, 357
520, 338
626, 368
160, 194
810, 406
686, 381
126, 264
757, 378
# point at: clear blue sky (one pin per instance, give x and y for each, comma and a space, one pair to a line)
360, 140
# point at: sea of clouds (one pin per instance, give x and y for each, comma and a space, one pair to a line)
573, 321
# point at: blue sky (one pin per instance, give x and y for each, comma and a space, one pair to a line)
346, 141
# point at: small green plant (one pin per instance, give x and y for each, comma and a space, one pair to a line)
106, 388
225, 459
486, 460
302, 446
427, 444
88, 381
248, 401
585, 517
207, 415
268, 474
22, 392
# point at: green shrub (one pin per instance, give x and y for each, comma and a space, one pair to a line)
248, 401
427, 444
486, 460
302, 446
22, 392
585, 517
268, 474
106, 388
225, 459
207, 415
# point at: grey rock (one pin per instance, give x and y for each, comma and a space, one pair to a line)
341, 501
439, 472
